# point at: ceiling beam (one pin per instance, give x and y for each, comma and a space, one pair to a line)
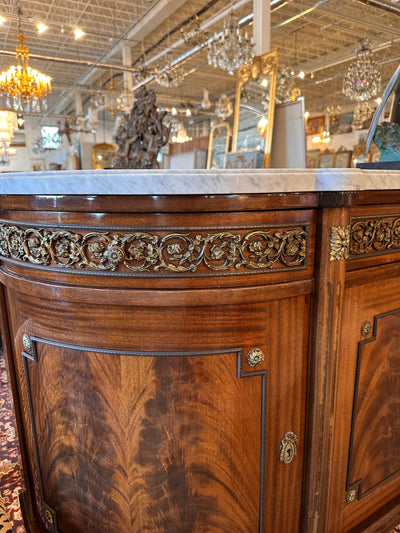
159, 11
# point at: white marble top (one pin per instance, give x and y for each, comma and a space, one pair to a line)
208, 182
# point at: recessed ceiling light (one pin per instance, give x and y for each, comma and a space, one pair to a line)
78, 33
2, 19
42, 27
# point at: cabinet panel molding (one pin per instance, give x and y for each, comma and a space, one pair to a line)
375, 430
165, 451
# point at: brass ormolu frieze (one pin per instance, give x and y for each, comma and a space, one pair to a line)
266, 249
374, 235
340, 238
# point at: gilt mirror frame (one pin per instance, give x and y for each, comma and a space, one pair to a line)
220, 125
103, 155
260, 66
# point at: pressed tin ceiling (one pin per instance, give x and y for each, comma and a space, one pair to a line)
317, 37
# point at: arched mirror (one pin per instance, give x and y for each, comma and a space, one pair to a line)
218, 145
255, 103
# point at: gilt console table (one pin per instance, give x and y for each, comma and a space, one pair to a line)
200, 351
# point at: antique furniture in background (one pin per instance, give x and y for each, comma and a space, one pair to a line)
254, 107
196, 361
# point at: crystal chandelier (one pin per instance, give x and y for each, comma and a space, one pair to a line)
230, 50
362, 81
362, 114
195, 36
8, 123
181, 135
111, 99
167, 77
333, 111
284, 85
126, 100
223, 108
142, 74
322, 139
5, 153
25, 87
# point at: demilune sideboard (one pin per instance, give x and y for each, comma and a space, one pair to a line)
204, 351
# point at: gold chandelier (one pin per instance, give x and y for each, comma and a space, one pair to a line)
25, 87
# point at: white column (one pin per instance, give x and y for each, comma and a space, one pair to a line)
261, 26
78, 104
127, 62
80, 135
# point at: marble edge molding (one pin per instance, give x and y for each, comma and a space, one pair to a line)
202, 182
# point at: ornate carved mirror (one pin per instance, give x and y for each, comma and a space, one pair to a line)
218, 145
255, 104
103, 155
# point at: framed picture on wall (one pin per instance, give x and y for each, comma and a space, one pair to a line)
343, 159
312, 158
38, 165
315, 125
326, 159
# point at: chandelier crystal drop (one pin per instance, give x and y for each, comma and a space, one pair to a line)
26, 88
230, 50
362, 81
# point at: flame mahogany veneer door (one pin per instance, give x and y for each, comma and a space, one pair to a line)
146, 418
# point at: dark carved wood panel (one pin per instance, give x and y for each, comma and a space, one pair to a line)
375, 434
147, 443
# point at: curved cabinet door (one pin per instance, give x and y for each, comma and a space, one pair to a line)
147, 418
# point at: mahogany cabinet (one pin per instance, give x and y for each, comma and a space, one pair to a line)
206, 364
161, 362
361, 475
